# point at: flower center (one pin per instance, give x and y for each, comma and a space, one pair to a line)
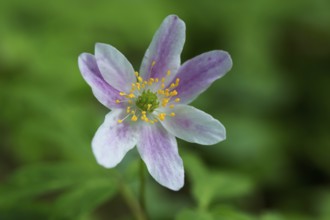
147, 101
143, 103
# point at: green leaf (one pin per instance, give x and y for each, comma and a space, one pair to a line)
272, 216
84, 198
228, 213
210, 185
323, 204
188, 214
32, 181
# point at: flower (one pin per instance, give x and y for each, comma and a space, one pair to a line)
150, 108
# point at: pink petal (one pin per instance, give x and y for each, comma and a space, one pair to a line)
114, 67
113, 140
193, 125
159, 151
164, 49
105, 93
197, 74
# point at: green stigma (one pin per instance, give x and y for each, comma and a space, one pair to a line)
147, 101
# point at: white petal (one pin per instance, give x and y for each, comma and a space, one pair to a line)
164, 51
159, 151
193, 125
198, 73
113, 140
114, 67
105, 93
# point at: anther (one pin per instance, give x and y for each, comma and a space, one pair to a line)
173, 93
162, 116
131, 95
167, 92
177, 81
134, 118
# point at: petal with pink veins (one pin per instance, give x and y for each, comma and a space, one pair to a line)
164, 50
105, 93
113, 140
198, 73
195, 126
114, 67
159, 151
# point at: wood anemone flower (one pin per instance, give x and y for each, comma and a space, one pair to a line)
150, 108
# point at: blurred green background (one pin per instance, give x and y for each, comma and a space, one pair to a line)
274, 103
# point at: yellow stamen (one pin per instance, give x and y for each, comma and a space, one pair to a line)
177, 81
131, 95
153, 63
172, 114
122, 93
162, 116
136, 73
173, 93
167, 92
149, 106
177, 100
134, 118
128, 109
172, 106
164, 102
140, 79
168, 72
120, 121
144, 117
152, 80
117, 101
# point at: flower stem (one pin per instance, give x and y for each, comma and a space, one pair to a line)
142, 187
132, 202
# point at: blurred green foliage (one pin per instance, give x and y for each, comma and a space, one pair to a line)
274, 103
